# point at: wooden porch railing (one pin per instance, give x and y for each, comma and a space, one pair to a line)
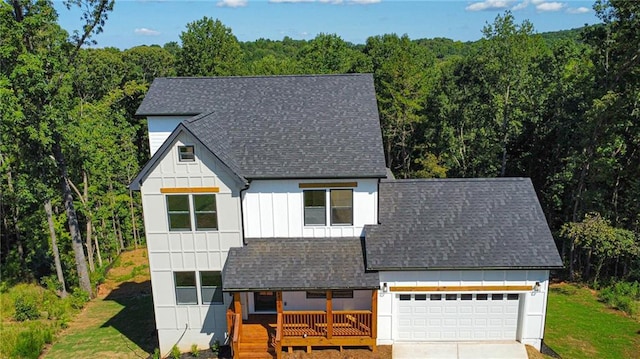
345, 323
234, 334
278, 338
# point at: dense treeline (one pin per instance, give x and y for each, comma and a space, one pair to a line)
562, 108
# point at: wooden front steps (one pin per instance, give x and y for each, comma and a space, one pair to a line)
256, 338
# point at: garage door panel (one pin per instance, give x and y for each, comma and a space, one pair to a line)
491, 317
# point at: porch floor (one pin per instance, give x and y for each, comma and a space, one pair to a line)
258, 333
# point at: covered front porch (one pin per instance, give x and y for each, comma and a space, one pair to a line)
271, 333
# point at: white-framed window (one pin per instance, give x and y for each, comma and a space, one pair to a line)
186, 153
211, 287
186, 292
187, 211
340, 207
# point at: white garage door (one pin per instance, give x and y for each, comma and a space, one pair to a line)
453, 317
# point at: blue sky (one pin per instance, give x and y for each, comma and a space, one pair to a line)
140, 22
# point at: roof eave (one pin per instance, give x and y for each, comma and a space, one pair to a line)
297, 289
404, 269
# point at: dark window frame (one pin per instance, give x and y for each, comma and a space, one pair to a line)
192, 212
186, 153
336, 207
315, 207
335, 294
171, 213
218, 296
178, 287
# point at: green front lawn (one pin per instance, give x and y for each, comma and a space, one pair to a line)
578, 326
122, 328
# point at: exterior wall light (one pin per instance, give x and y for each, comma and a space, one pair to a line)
385, 287
536, 287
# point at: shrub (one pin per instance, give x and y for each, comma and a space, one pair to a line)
26, 308
78, 299
623, 296
175, 352
194, 350
156, 354
30, 342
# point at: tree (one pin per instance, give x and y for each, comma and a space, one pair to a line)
209, 49
597, 238
401, 76
40, 80
509, 53
329, 54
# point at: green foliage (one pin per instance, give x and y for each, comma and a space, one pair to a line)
195, 352
78, 299
624, 296
30, 342
156, 354
25, 308
209, 49
215, 347
175, 352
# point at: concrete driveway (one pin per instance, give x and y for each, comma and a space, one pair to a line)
476, 350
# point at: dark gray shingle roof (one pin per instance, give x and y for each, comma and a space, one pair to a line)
280, 126
298, 264
460, 223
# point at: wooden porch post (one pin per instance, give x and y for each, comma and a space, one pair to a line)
374, 318
329, 315
279, 302
237, 307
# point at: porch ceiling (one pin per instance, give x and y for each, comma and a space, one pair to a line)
298, 264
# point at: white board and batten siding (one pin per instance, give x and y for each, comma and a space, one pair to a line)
417, 316
275, 209
172, 251
160, 127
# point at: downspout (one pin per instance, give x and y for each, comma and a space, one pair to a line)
241, 193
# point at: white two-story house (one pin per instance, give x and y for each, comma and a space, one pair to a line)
272, 222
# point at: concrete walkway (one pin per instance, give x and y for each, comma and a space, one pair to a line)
476, 350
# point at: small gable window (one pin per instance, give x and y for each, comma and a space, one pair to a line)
186, 153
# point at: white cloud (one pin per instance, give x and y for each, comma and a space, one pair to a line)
289, 1
489, 5
523, 5
550, 6
364, 2
578, 10
231, 3
146, 32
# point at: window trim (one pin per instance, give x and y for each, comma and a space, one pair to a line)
328, 207
191, 212
190, 156
331, 206
304, 207
214, 287
175, 212
335, 294
194, 287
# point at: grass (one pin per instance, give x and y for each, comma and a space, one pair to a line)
109, 329
578, 326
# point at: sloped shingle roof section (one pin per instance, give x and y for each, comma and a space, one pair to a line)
460, 223
280, 126
298, 264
